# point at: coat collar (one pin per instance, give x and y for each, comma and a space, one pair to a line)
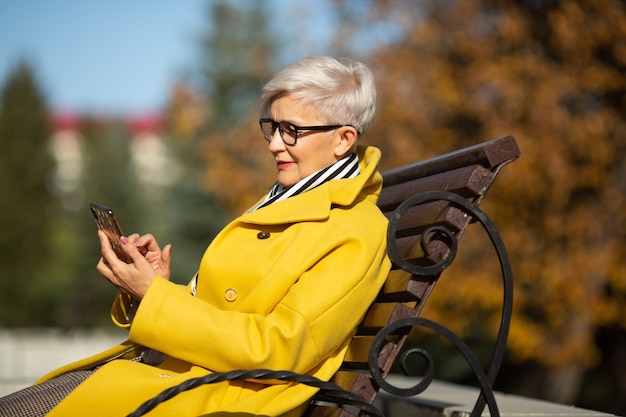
316, 204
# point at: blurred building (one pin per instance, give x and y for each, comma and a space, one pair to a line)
67, 149
153, 164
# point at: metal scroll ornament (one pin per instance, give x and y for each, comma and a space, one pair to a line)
485, 379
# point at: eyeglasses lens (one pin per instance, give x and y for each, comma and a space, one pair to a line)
287, 133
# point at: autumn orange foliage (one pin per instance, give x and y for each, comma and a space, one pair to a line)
554, 77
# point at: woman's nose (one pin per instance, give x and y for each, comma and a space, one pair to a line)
276, 143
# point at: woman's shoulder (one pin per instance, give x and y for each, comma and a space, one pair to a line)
363, 215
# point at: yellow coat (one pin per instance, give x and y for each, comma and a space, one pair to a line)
280, 288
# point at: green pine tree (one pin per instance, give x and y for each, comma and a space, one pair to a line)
25, 163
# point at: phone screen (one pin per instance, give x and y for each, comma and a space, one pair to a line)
107, 222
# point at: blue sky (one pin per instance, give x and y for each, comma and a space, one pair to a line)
122, 56
102, 56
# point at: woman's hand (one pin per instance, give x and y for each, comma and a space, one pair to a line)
149, 248
148, 262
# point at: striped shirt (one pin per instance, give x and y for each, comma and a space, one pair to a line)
345, 168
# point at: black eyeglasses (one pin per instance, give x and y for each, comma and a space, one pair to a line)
288, 131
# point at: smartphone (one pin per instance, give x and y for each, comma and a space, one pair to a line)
107, 222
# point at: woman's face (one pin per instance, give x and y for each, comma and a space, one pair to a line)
313, 150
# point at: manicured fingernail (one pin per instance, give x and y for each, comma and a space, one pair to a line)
124, 240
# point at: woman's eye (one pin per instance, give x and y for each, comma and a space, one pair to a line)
290, 129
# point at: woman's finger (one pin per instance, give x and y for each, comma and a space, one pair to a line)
105, 247
130, 247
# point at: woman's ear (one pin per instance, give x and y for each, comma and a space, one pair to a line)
347, 141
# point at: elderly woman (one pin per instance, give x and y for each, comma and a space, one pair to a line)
281, 287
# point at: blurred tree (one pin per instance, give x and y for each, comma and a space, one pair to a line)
467, 71
239, 169
239, 57
237, 54
193, 212
26, 204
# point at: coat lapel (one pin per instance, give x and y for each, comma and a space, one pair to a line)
314, 204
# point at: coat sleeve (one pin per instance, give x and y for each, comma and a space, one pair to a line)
311, 322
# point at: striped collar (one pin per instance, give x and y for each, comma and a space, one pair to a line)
345, 168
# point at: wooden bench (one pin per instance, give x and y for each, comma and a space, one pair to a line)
429, 204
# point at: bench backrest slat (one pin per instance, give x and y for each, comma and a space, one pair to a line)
466, 181
488, 154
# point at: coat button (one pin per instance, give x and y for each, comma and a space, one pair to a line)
230, 294
263, 235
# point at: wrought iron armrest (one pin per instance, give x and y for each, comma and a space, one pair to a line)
485, 379
328, 391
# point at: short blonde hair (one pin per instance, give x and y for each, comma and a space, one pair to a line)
341, 90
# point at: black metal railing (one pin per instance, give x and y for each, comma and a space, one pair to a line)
331, 392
